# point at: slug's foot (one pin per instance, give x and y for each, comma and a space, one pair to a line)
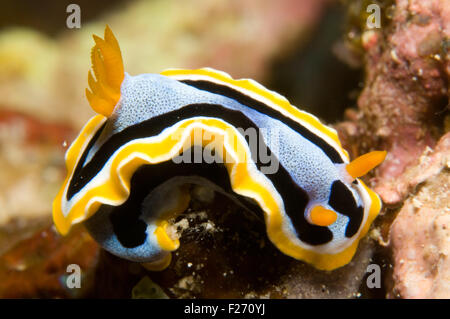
159, 264
142, 230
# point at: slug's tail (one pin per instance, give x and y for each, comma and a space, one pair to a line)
107, 65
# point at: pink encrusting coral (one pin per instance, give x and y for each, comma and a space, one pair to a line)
403, 108
420, 234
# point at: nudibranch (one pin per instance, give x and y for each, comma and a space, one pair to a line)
130, 168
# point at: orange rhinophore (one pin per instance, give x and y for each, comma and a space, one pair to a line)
365, 163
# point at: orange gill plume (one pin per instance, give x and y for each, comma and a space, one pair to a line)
108, 69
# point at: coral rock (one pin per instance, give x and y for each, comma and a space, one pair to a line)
420, 233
